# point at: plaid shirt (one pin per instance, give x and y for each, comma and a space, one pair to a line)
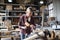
22, 20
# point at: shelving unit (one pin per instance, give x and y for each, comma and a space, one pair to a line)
14, 15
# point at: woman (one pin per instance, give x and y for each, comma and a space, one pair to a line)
26, 23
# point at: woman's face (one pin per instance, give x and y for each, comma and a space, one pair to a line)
28, 13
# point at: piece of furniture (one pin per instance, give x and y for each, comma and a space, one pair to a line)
14, 11
9, 35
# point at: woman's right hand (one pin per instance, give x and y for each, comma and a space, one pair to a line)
27, 24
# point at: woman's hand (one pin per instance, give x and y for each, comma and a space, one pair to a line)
27, 24
32, 26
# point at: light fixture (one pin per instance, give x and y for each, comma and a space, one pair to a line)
9, 0
41, 2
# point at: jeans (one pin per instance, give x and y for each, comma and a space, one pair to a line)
22, 36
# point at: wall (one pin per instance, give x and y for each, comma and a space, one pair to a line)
51, 14
1, 1
56, 9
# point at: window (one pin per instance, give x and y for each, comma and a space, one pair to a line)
9, 0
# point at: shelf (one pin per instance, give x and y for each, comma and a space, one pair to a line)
14, 15
14, 11
17, 4
10, 16
8, 4
18, 16
14, 25
11, 11
36, 16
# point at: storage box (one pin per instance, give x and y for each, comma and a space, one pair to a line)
5, 38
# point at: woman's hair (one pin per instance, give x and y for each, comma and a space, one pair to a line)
30, 8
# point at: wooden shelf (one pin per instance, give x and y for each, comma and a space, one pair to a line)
18, 16
17, 4
14, 14
14, 11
